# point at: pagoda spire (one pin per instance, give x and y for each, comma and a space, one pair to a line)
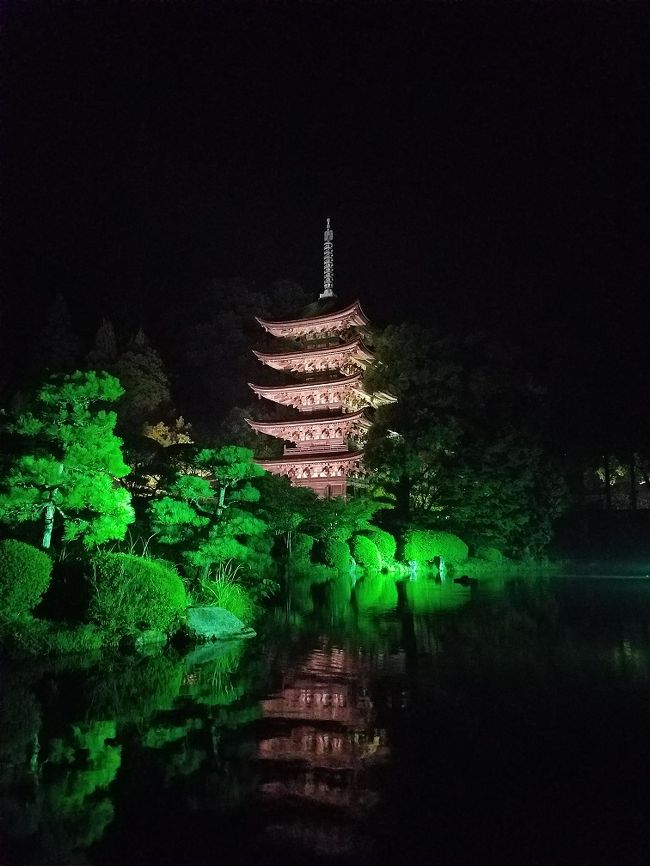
328, 262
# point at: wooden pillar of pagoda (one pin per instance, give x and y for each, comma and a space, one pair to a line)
324, 354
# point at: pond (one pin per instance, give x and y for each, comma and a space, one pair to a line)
457, 726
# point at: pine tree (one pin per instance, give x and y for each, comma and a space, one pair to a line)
57, 346
103, 354
146, 387
71, 463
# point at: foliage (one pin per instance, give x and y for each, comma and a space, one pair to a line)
386, 544
259, 561
74, 462
227, 539
489, 554
340, 519
214, 329
463, 444
335, 553
365, 553
302, 547
104, 351
285, 507
202, 508
225, 591
56, 347
177, 433
130, 593
423, 545
143, 377
25, 574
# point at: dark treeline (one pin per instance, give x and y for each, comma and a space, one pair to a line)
191, 357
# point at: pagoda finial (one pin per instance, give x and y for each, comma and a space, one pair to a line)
328, 263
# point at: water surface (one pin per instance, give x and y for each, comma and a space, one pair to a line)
458, 726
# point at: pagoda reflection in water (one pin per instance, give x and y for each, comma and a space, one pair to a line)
319, 751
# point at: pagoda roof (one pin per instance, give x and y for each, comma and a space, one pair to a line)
332, 420
341, 382
317, 317
301, 358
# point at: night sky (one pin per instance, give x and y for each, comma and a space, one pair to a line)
485, 166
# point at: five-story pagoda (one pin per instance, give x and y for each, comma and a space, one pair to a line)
324, 352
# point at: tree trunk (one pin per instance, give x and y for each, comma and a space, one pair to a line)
608, 487
222, 501
50, 509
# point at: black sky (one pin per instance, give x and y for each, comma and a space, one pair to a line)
484, 165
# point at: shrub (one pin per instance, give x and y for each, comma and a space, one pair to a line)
302, 546
130, 594
365, 553
489, 554
25, 574
336, 554
386, 544
425, 544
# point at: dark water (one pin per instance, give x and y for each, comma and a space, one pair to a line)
460, 727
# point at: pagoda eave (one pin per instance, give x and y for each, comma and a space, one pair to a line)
337, 395
351, 419
349, 317
342, 382
317, 360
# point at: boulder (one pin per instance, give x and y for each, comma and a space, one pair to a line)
215, 623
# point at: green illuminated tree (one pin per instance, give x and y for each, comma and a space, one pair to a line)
201, 507
340, 519
69, 463
285, 507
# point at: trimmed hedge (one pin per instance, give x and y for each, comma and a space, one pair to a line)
131, 594
25, 574
423, 545
365, 553
386, 544
335, 553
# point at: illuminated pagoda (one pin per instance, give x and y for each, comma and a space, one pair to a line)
323, 350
